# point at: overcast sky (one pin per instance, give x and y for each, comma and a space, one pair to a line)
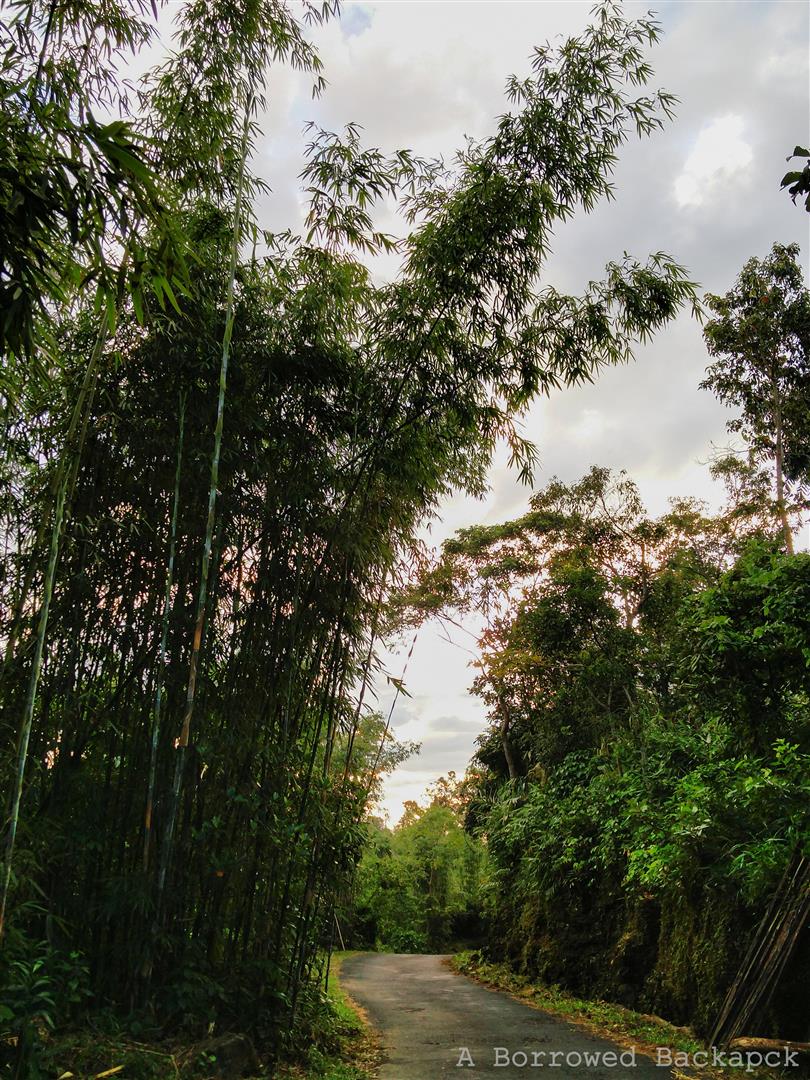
706, 190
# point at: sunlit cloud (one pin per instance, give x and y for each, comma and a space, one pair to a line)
717, 157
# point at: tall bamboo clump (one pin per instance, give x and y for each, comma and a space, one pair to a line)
217, 599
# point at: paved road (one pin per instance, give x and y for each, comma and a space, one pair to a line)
426, 1014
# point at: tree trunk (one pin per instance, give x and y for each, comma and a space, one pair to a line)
780, 475
164, 634
506, 745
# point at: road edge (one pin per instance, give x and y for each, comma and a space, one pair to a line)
573, 1010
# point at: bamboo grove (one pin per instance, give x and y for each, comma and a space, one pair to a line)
218, 447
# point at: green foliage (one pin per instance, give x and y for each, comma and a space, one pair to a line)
798, 182
40, 987
72, 189
417, 887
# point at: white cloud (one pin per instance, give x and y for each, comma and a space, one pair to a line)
591, 425
716, 161
355, 19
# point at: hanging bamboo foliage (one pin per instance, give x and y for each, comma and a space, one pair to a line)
200, 749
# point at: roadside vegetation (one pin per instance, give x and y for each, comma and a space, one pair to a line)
340, 1046
346, 1047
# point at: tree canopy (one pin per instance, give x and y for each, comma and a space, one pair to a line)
760, 337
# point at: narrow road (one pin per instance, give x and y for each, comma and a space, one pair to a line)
428, 1016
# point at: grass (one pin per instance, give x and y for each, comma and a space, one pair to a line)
89, 1056
356, 1055
346, 1050
620, 1025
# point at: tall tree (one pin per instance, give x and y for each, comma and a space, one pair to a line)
760, 336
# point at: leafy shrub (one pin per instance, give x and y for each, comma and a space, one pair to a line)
40, 987
407, 941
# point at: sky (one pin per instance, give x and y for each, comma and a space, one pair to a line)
423, 74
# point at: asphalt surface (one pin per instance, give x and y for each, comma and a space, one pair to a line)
426, 1015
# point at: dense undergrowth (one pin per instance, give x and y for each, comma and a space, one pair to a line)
338, 1045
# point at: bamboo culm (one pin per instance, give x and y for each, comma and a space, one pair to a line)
164, 634
185, 731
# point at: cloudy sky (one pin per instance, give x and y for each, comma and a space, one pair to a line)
425, 74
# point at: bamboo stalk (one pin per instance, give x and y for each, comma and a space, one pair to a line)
67, 474
30, 700
768, 954
209, 530
164, 634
